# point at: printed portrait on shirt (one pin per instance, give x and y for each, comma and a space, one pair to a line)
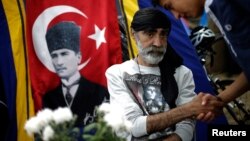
147, 89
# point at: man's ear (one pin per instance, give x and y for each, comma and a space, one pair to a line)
79, 56
132, 33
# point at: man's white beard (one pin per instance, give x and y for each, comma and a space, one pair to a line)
151, 55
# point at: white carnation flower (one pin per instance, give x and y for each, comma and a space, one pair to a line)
45, 116
32, 126
48, 133
43, 125
113, 120
105, 108
62, 114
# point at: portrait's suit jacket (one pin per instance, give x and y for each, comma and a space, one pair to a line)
88, 96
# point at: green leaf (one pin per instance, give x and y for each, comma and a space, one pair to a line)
90, 127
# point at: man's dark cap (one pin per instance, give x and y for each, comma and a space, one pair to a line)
150, 18
64, 35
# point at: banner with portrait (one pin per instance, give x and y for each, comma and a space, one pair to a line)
99, 42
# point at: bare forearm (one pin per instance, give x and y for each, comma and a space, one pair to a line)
161, 121
164, 120
236, 89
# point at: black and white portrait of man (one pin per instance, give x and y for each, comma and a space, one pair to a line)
154, 101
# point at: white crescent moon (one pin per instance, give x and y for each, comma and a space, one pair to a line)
39, 30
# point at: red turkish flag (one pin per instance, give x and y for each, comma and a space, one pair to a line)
100, 39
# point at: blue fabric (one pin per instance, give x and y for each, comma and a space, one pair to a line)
179, 40
8, 74
203, 19
236, 28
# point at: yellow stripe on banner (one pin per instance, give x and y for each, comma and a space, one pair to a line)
130, 7
15, 14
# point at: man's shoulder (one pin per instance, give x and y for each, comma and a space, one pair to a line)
89, 84
92, 88
183, 68
119, 69
126, 64
85, 81
57, 89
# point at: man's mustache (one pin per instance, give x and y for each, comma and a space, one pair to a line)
154, 49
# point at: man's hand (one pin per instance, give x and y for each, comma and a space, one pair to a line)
216, 105
205, 107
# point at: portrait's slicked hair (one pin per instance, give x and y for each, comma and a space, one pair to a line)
63, 35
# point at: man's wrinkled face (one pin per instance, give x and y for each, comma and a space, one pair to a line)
152, 44
65, 62
184, 8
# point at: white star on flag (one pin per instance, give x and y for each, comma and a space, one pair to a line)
98, 36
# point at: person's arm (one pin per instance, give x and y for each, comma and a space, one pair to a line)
186, 108
236, 89
191, 109
186, 87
